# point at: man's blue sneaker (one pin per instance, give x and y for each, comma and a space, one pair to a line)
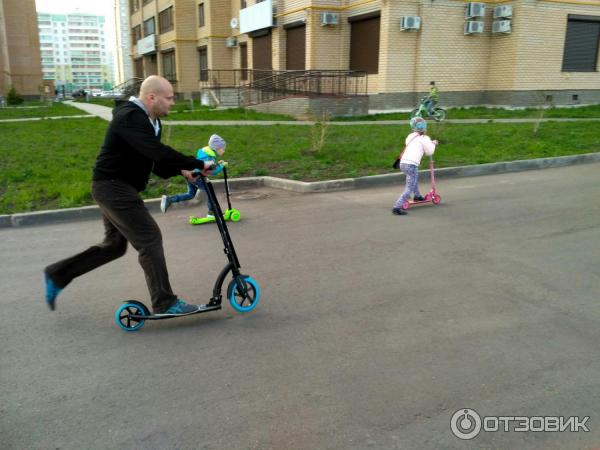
52, 292
180, 308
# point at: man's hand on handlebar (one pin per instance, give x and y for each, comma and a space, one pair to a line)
192, 175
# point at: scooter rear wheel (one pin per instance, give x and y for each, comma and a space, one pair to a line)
436, 199
406, 205
126, 310
243, 298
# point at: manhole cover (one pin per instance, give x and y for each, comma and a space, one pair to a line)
249, 195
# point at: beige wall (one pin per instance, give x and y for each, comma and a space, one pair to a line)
20, 64
528, 59
540, 31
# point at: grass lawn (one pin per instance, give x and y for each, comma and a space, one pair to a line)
66, 151
583, 112
182, 111
40, 110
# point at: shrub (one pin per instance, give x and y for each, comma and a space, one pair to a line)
12, 98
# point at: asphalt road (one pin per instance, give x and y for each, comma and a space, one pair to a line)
372, 330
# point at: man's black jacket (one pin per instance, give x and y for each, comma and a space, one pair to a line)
131, 150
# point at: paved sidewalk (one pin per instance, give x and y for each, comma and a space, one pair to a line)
29, 119
103, 112
106, 114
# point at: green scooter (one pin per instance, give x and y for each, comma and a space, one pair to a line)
230, 214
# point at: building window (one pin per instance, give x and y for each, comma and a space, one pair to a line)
200, 15
203, 60
581, 45
168, 61
145, 2
136, 34
149, 27
134, 5
138, 68
165, 20
242, 4
364, 44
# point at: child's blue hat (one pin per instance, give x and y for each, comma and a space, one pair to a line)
418, 124
216, 142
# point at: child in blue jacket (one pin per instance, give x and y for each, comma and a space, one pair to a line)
214, 149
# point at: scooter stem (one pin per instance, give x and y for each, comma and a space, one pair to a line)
432, 171
226, 187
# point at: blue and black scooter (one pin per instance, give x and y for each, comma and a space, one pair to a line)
243, 291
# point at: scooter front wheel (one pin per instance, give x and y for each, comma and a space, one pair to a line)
436, 199
243, 297
126, 310
235, 215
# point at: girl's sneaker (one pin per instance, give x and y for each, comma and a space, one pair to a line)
399, 211
210, 214
164, 203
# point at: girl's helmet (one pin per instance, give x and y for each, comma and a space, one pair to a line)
418, 124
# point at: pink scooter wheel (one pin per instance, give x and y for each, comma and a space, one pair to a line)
405, 205
436, 199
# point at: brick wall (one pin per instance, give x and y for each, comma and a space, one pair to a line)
316, 108
20, 62
469, 69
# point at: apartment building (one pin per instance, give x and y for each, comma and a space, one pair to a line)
74, 52
124, 63
520, 52
20, 64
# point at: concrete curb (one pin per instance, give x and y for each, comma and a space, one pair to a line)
93, 212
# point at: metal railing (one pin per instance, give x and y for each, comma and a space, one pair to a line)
259, 86
129, 87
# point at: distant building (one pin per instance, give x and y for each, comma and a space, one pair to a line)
74, 53
19, 48
124, 63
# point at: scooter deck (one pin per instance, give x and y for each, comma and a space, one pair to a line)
205, 308
230, 214
200, 220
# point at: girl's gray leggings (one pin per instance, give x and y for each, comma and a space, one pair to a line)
412, 183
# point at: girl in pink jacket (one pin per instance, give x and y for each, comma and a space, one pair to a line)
417, 144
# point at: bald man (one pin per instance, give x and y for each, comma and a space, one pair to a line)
131, 151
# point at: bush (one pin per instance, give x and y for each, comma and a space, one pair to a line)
12, 98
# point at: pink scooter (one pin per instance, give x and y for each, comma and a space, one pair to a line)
432, 196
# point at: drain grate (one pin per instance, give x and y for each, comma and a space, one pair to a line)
248, 195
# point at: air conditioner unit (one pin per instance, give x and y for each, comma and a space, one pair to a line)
330, 19
410, 23
473, 27
503, 12
473, 9
231, 42
501, 26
